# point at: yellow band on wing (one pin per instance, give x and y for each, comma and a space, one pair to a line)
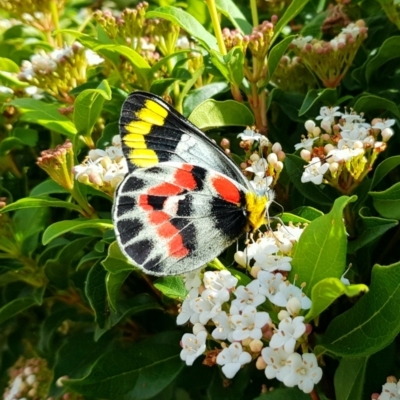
135, 141
144, 157
140, 127
152, 113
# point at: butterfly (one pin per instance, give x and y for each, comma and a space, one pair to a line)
183, 200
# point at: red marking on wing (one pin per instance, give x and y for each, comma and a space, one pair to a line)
167, 230
144, 202
158, 217
176, 247
184, 177
165, 189
226, 189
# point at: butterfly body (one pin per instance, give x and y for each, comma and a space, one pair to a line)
183, 201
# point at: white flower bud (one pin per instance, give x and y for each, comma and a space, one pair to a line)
254, 271
276, 147
305, 155
328, 147
279, 166
260, 363
387, 133
316, 131
358, 145
240, 258
28, 371
197, 327
254, 157
256, 345
309, 125
283, 314
293, 306
30, 379
272, 158
333, 167
116, 140
326, 126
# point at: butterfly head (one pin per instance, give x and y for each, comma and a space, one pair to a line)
257, 208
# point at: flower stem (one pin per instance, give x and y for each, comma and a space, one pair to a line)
314, 395
254, 13
212, 9
56, 22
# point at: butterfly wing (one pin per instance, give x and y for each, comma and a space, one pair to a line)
153, 132
174, 218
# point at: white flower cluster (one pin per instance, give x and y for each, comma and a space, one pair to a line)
390, 390
265, 171
343, 140
235, 316
347, 36
44, 63
103, 169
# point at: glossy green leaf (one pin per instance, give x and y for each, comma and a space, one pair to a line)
234, 62
294, 166
8, 65
371, 229
291, 11
114, 283
27, 136
88, 106
36, 202
171, 286
387, 203
187, 22
307, 212
22, 303
284, 394
44, 114
326, 291
47, 187
116, 261
314, 96
388, 50
213, 114
295, 219
59, 228
383, 169
321, 250
9, 144
276, 53
95, 291
134, 373
368, 102
372, 323
230, 10
197, 96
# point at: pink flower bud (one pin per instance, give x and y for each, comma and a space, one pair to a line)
276, 148
256, 345
260, 363
305, 155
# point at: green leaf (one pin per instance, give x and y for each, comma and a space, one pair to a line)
140, 65
242, 278
295, 219
389, 50
314, 96
229, 9
326, 291
372, 323
234, 62
116, 262
114, 283
212, 114
383, 169
371, 228
368, 102
171, 286
36, 202
9, 144
294, 166
138, 372
20, 304
321, 250
59, 228
44, 114
284, 394
309, 213
95, 290
57, 269
47, 187
197, 96
8, 65
187, 22
276, 53
357, 378
387, 203
292, 10
27, 136
88, 106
